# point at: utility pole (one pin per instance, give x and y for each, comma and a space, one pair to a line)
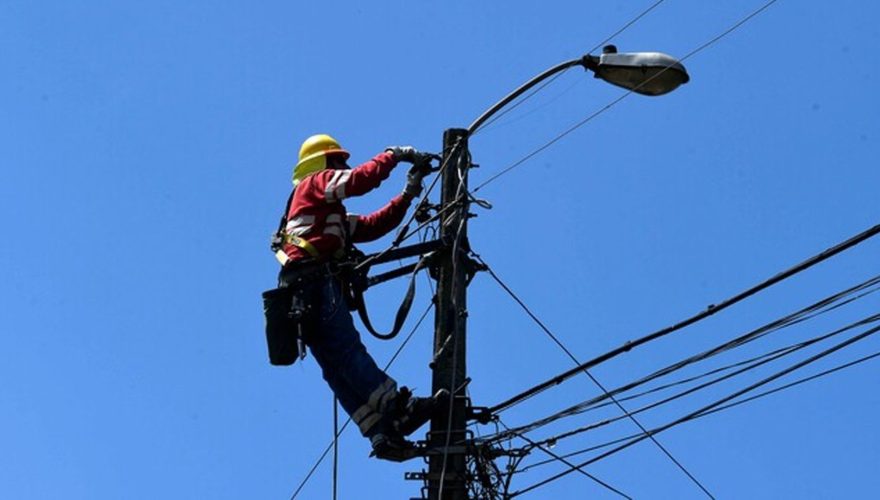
447, 470
648, 73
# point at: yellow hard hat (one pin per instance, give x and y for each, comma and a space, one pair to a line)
313, 155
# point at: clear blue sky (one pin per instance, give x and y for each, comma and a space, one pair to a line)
145, 156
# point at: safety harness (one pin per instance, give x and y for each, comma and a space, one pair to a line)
281, 237
351, 266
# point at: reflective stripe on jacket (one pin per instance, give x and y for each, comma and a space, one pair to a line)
318, 216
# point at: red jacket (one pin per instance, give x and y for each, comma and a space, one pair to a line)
318, 216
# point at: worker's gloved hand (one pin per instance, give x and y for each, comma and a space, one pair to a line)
414, 177
408, 154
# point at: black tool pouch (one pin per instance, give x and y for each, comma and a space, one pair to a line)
288, 319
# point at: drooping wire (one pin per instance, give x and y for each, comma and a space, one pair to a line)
811, 311
709, 311
626, 94
556, 457
594, 379
335, 444
709, 407
728, 406
717, 380
330, 446
693, 378
626, 26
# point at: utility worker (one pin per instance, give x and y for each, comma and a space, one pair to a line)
318, 230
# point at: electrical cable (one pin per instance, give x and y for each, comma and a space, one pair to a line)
626, 26
558, 458
620, 98
824, 306
749, 399
594, 379
335, 444
709, 311
710, 406
747, 368
402, 236
694, 378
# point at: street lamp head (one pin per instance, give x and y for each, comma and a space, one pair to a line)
646, 73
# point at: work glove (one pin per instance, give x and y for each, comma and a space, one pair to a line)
408, 154
414, 177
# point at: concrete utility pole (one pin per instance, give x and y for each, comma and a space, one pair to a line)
447, 472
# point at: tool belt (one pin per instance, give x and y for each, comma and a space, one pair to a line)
290, 311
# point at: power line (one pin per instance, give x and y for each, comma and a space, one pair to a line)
778, 355
402, 234
558, 458
709, 407
709, 311
626, 26
814, 310
622, 97
335, 444
728, 406
595, 381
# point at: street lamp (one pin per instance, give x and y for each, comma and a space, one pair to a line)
646, 73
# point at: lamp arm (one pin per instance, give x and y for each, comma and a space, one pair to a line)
588, 62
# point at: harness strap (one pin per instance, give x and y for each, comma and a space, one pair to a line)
281, 237
302, 243
402, 311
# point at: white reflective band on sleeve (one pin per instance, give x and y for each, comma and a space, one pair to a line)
361, 413
381, 394
352, 222
300, 225
334, 219
385, 400
369, 422
335, 230
335, 190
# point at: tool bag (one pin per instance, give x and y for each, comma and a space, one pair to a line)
285, 321
288, 308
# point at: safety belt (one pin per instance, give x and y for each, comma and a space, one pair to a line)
280, 237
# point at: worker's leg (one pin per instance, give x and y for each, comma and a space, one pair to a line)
364, 391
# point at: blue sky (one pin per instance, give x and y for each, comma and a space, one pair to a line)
146, 152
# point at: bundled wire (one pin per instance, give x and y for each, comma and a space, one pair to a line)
605, 392
744, 369
821, 307
707, 408
719, 409
711, 310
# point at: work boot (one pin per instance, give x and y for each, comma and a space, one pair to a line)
393, 448
412, 413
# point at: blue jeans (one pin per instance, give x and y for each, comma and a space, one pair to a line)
364, 391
